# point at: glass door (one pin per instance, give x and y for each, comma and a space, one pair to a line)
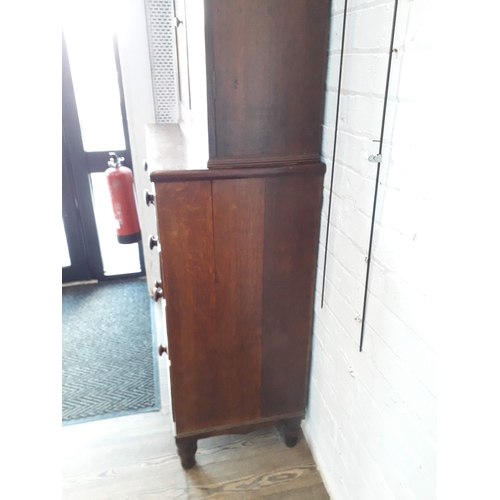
94, 124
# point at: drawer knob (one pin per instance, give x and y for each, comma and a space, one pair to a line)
153, 242
162, 349
158, 294
158, 284
149, 198
145, 165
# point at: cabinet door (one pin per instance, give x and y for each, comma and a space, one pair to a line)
211, 235
266, 68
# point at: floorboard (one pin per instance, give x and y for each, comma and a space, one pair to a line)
134, 457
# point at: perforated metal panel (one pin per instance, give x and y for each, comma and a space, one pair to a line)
162, 53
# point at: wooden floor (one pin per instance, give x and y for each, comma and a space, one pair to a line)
135, 457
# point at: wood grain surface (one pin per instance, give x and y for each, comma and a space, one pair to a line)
293, 206
266, 76
187, 254
238, 208
237, 173
239, 262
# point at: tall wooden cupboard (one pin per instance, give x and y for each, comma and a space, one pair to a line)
238, 236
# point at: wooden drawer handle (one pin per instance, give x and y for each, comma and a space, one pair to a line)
149, 198
153, 242
158, 294
162, 349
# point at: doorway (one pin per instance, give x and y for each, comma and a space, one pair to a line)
94, 123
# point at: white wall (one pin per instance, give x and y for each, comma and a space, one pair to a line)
194, 121
371, 420
137, 86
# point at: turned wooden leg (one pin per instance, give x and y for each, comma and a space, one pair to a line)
186, 448
289, 430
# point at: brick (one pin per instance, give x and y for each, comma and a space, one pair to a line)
377, 434
412, 307
342, 310
353, 151
350, 185
327, 143
370, 28
352, 223
332, 84
361, 115
418, 358
387, 380
373, 414
364, 74
374, 485
347, 285
348, 255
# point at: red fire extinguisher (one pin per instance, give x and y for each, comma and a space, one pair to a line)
121, 188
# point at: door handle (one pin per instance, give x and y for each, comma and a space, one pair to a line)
158, 294
153, 242
149, 198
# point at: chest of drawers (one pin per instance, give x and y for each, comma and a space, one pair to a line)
238, 234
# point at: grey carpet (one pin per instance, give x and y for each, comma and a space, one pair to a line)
109, 367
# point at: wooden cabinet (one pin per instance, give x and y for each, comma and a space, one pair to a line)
266, 70
239, 239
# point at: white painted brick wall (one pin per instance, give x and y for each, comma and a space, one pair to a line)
371, 420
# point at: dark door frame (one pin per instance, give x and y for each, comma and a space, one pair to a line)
78, 210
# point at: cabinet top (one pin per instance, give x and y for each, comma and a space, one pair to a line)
237, 173
171, 158
168, 149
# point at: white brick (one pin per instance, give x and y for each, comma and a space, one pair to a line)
377, 487
414, 309
370, 28
353, 151
374, 444
378, 435
416, 355
402, 211
361, 115
343, 311
365, 74
349, 287
354, 5
371, 418
350, 222
332, 84
350, 256
388, 382
336, 22
351, 186
327, 145
398, 253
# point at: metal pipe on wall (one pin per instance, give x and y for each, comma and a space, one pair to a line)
377, 159
373, 158
334, 151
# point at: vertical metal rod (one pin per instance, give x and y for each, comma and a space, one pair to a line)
368, 260
334, 151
